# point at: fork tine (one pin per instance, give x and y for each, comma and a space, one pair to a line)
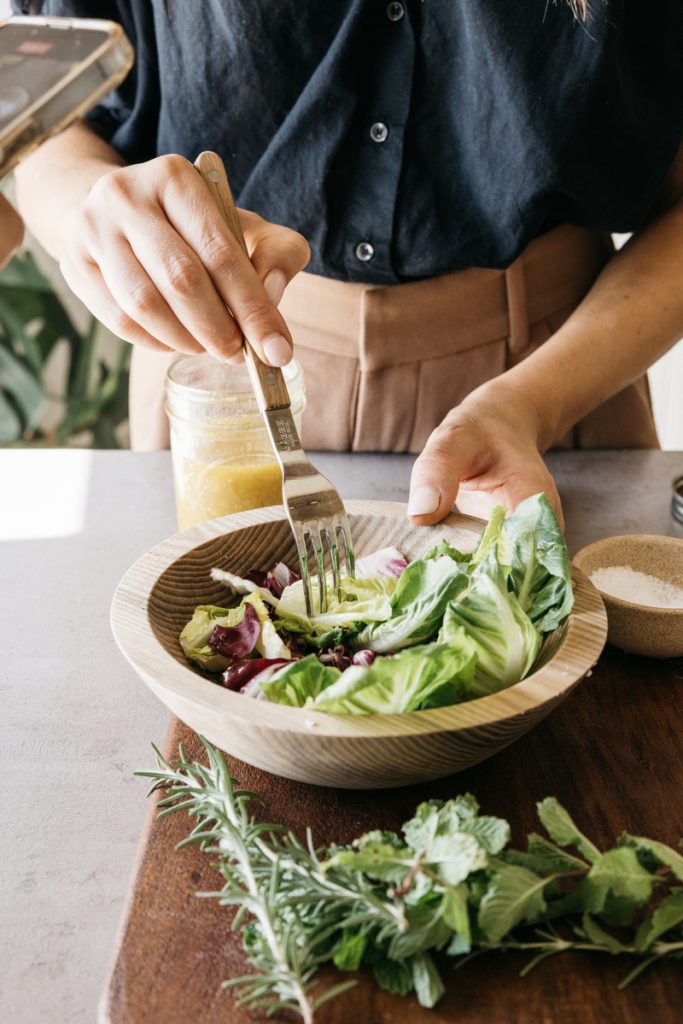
319, 551
343, 531
302, 551
330, 539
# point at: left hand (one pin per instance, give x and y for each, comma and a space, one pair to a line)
485, 453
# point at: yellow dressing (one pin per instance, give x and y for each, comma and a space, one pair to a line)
206, 490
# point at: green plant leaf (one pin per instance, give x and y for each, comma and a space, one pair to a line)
455, 912
26, 390
562, 829
10, 424
593, 931
426, 980
661, 852
515, 894
393, 976
544, 857
620, 872
348, 953
668, 915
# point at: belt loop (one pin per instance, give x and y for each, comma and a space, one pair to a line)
518, 313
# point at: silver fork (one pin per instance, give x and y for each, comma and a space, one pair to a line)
314, 509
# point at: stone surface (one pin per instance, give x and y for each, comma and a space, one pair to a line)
76, 722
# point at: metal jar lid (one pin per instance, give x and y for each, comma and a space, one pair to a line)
677, 499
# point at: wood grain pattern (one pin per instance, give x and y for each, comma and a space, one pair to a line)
611, 754
158, 595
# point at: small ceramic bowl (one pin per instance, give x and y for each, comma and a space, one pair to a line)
638, 628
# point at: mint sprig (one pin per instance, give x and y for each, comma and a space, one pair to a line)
449, 882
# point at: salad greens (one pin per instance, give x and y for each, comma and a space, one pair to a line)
450, 626
448, 881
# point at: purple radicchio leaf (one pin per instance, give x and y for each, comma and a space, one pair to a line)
278, 578
364, 658
241, 674
386, 562
237, 641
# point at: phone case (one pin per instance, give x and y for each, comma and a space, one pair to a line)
73, 96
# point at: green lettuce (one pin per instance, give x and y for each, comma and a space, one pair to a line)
300, 682
417, 606
362, 600
194, 638
539, 563
433, 675
492, 619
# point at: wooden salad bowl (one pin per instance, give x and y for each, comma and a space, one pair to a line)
158, 594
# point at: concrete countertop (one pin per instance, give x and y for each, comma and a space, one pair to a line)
76, 721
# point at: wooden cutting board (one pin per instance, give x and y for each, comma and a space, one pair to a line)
611, 753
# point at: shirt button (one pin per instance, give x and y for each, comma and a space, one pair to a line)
364, 251
395, 11
378, 132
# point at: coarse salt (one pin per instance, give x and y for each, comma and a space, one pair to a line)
637, 587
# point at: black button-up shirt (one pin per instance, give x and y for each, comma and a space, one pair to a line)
408, 139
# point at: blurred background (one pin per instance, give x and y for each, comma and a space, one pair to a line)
64, 377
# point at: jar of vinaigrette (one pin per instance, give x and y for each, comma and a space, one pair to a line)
223, 461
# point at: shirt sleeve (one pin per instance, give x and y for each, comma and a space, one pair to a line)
130, 112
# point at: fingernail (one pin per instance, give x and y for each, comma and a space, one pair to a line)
423, 501
277, 350
274, 284
236, 359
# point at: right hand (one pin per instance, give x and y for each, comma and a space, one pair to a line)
11, 230
150, 255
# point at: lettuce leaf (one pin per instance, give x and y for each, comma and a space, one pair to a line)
362, 600
195, 636
300, 682
433, 675
539, 563
492, 619
417, 605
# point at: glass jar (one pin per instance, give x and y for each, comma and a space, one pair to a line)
222, 457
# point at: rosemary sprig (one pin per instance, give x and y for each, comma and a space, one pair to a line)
289, 908
450, 882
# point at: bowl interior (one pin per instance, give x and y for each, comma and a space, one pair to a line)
187, 582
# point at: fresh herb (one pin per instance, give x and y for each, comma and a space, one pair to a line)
449, 882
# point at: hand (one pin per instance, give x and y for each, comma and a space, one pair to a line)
150, 255
11, 230
485, 453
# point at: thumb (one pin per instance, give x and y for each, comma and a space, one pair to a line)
437, 473
277, 253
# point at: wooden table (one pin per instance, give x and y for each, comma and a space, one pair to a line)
611, 754
76, 720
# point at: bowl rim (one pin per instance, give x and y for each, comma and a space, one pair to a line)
582, 644
658, 540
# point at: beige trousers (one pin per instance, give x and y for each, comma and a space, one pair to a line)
384, 364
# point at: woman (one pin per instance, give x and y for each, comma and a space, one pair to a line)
455, 169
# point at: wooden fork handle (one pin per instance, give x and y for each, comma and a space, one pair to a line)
268, 381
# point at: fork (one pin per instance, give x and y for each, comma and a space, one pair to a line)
315, 511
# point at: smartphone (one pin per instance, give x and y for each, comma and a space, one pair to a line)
52, 71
